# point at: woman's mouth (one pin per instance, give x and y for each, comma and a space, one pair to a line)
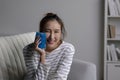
50, 42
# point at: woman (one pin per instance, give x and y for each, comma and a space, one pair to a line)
53, 62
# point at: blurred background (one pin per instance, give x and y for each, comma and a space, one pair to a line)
83, 21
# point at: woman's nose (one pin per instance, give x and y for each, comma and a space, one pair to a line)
52, 36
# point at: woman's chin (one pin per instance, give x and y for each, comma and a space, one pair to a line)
50, 45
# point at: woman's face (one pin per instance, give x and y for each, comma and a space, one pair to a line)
53, 34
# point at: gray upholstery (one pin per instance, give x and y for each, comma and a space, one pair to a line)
82, 70
12, 65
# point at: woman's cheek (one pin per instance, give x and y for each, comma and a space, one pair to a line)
58, 36
47, 35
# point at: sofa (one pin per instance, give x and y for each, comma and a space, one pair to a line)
12, 65
82, 70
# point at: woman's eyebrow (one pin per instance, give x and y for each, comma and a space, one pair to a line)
57, 29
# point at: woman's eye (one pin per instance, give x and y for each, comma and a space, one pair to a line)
47, 31
56, 31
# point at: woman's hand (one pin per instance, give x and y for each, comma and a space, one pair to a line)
39, 50
36, 43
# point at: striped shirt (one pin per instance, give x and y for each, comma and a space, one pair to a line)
56, 67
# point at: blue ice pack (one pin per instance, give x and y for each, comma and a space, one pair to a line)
42, 37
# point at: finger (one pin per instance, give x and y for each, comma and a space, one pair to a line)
36, 38
38, 41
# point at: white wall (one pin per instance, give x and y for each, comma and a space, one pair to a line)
83, 20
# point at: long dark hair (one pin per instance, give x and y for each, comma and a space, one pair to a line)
49, 17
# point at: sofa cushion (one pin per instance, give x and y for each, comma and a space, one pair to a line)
82, 70
12, 65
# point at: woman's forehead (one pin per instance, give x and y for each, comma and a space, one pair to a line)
52, 25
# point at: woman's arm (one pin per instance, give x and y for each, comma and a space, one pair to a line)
35, 69
39, 50
29, 61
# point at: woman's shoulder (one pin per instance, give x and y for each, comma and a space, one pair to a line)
67, 45
29, 46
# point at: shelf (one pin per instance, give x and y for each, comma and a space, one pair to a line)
111, 45
112, 61
116, 17
113, 39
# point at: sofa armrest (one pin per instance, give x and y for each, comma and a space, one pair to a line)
82, 70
